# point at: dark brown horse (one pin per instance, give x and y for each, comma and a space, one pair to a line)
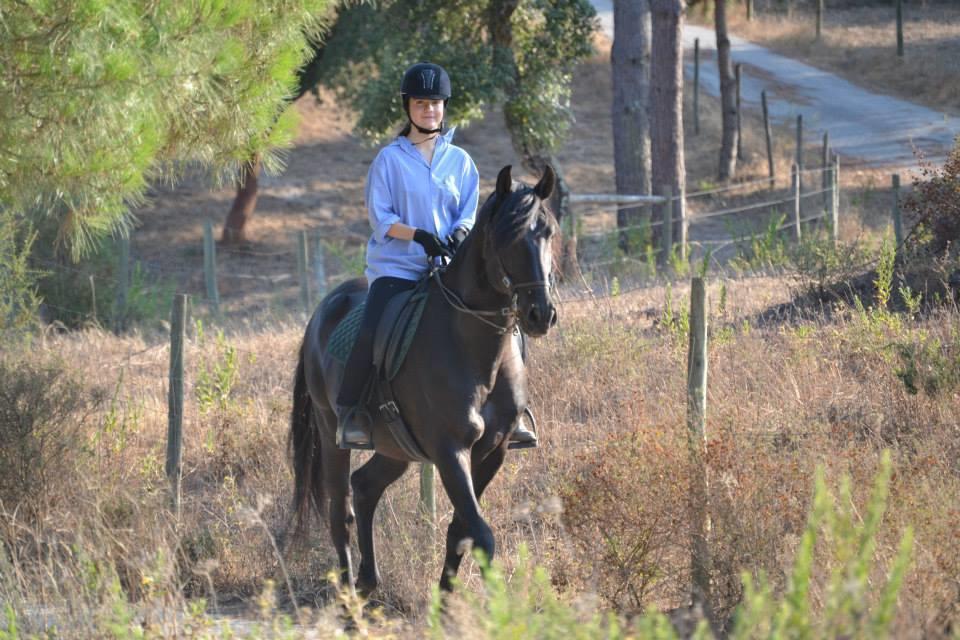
461, 389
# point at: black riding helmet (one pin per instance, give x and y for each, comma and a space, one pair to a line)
425, 80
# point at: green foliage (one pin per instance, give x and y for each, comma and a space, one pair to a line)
762, 250
884, 280
929, 363
215, 379
370, 47
524, 606
822, 266
855, 604
676, 321
18, 297
98, 98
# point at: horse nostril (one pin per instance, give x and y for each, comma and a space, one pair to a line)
554, 316
534, 314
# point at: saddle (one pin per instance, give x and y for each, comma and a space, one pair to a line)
391, 343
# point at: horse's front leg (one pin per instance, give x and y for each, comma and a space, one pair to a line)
465, 481
369, 483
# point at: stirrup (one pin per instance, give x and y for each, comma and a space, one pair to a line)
349, 434
525, 441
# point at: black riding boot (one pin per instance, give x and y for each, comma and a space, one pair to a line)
353, 420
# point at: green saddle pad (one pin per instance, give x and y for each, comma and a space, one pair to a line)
345, 334
394, 334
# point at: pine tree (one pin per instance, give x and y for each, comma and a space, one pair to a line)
98, 99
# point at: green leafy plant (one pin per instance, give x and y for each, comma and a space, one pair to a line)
215, 378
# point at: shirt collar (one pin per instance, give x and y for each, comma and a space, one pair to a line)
443, 140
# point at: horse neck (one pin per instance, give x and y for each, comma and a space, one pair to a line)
467, 278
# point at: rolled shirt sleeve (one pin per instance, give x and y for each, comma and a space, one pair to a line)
379, 200
469, 196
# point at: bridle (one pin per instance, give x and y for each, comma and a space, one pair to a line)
511, 313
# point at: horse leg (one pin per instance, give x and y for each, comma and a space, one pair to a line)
464, 490
336, 473
369, 483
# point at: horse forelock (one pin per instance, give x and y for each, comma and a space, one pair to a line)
515, 215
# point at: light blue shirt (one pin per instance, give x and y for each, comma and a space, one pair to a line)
437, 197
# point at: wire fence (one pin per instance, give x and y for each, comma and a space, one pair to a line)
297, 277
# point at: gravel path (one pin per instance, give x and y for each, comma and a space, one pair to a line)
865, 128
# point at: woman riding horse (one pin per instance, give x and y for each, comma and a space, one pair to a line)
420, 188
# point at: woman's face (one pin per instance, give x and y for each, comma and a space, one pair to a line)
426, 113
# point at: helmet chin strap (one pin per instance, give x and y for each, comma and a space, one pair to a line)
426, 131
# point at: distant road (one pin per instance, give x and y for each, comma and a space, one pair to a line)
865, 128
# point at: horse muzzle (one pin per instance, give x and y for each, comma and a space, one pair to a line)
538, 318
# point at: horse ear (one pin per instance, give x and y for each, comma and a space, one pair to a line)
545, 187
504, 181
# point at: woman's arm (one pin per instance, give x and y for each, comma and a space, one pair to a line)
401, 231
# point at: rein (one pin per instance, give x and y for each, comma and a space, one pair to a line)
454, 301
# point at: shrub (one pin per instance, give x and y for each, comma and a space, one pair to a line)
38, 429
933, 207
623, 511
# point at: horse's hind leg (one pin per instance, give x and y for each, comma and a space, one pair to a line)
369, 483
467, 521
336, 475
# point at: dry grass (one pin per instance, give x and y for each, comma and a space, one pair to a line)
608, 386
859, 43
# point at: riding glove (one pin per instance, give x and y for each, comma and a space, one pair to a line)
431, 244
455, 239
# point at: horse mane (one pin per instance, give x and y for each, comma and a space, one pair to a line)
516, 214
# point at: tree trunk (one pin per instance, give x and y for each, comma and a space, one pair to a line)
666, 116
728, 95
630, 58
235, 226
499, 17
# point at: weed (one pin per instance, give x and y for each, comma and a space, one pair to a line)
215, 379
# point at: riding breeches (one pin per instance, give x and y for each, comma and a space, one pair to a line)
360, 362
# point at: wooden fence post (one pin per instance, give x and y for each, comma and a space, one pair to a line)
897, 219
799, 159
210, 266
697, 444
303, 272
681, 208
123, 284
666, 228
749, 10
899, 28
696, 86
174, 470
428, 504
819, 19
836, 187
796, 201
737, 69
834, 217
825, 176
766, 129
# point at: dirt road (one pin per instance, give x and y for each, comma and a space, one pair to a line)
864, 127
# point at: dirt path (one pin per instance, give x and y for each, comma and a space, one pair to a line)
864, 127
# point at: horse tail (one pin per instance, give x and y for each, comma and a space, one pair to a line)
305, 452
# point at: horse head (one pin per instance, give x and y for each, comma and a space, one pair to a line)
517, 249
